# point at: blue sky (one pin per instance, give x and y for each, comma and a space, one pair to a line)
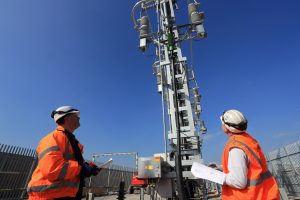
84, 53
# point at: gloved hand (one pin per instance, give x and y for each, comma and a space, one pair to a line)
96, 169
88, 170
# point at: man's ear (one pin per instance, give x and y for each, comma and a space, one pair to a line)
225, 129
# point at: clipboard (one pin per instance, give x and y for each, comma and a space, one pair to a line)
106, 164
203, 172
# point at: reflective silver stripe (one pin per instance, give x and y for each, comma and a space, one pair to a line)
43, 188
67, 148
262, 177
68, 156
251, 151
63, 171
49, 149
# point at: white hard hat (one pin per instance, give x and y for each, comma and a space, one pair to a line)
234, 121
62, 111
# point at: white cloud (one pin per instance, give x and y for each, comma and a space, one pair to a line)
210, 136
285, 134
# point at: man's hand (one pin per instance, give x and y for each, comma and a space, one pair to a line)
89, 169
215, 166
96, 169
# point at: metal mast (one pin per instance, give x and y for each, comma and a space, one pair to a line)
176, 83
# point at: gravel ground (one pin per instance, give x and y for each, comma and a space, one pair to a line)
127, 197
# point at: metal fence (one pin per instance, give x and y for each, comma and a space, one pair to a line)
16, 167
284, 164
109, 179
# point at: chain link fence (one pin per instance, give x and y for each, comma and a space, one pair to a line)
108, 180
284, 164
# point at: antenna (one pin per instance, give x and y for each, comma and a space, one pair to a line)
179, 92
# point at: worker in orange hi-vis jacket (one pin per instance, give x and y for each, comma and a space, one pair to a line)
246, 174
61, 168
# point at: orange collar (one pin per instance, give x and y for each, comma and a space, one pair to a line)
60, 128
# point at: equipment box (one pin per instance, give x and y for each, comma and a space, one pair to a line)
150, 167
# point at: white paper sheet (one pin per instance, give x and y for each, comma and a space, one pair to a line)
201, 171
106, 164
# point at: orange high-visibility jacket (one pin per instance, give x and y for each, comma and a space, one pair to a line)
261, 185
57, 173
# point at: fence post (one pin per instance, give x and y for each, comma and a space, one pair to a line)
108, 177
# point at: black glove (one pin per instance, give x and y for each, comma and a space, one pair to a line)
96, 169
87, 170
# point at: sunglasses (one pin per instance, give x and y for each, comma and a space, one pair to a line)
62, 112
240, 126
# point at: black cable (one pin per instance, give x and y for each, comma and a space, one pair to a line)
178, 163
